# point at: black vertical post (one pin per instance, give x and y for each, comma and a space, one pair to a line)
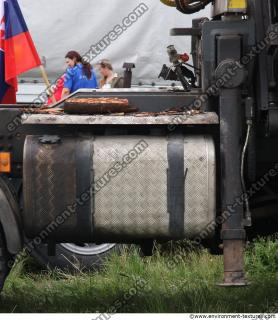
233, 233
128, 74
231, 137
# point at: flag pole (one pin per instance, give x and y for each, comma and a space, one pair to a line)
46, 81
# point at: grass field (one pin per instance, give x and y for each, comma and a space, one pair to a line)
175, 279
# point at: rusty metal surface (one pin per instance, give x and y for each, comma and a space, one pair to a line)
92, 106
208, 118
234, 275
43, 110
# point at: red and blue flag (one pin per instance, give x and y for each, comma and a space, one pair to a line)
17, 51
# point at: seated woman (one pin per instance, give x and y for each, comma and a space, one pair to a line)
79, 75
110, 79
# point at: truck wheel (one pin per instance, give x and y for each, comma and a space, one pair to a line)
75, 257
4, 260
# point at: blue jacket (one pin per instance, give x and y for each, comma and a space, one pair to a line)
76, 79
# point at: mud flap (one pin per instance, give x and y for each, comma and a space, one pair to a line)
9, 219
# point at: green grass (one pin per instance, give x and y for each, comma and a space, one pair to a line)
175, 279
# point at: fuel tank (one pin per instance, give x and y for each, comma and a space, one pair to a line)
119, 188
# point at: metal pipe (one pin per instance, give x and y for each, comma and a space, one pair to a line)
233, 233
169, 3
191, 6
187, 6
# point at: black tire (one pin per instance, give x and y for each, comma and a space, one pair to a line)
4, 260
75, 258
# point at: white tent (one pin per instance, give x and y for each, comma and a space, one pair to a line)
59, 26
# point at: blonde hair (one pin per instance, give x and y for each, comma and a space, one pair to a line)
106, 64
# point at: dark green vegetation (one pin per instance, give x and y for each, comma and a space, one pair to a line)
175, 279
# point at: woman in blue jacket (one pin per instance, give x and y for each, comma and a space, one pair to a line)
79, 75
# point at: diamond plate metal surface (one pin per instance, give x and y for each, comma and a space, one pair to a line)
130, 201
200, 185
134, 203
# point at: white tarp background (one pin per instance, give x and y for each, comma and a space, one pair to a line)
60, 26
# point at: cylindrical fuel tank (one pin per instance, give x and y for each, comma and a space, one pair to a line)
119, 188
